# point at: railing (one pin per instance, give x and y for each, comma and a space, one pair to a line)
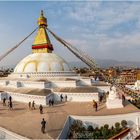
121, 134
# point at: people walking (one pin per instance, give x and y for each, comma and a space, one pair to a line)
41, 109
43, 126
10, 99
95, 105
61, 97
33, 105
30, 105
4, 101
52, 102
49, 102
10, 105
66, 98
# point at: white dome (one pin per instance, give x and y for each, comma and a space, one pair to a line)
42, 62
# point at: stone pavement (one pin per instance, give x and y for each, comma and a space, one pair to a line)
26, 122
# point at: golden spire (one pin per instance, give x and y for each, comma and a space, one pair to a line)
42, 42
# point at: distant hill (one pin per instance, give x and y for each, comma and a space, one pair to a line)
104, 63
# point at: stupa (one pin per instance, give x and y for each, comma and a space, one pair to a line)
42, 62
44, 75
43, 68
113, 100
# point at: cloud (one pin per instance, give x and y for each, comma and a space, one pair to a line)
104, 15
106, 30
84, 11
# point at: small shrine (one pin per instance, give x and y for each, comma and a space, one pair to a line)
113, 100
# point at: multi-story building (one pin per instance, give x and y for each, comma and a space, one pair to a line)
127, 77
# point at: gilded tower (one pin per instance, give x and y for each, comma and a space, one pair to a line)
42, 42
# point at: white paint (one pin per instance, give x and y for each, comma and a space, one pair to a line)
77, 97
34, 63
26, 98
8, 135
40, 75
50, 84
83, 82
113, 100
64, 83
116, 103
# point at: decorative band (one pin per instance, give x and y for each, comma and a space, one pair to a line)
42, 46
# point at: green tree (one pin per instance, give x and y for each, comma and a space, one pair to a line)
90, 128
124, 123
106, 126
117, 126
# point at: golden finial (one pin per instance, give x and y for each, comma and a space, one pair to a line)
42, 21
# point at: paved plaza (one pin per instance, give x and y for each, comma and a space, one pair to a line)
26, 122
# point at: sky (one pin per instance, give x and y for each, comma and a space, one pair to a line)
103, 29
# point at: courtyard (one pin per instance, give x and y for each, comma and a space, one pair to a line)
26, 122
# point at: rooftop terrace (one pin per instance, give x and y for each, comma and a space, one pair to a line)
27, 122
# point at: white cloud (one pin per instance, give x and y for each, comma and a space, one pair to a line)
104, 17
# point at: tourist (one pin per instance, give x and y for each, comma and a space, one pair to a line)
41, 109
4, 101
66, 98
95, 105
10, 105
52, 102
61, 97
30, 105
100, 98
33, 105
43, 125
10, 99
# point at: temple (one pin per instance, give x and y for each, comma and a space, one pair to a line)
42, 62
43, 67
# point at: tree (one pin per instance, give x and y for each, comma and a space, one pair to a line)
90, 128
124, 123
106, 126
117, 126
77, 126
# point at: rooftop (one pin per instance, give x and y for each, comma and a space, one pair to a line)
31, 91
25, 122
87, 89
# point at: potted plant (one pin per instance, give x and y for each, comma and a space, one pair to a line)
124, 123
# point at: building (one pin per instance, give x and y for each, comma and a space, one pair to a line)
127, 77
